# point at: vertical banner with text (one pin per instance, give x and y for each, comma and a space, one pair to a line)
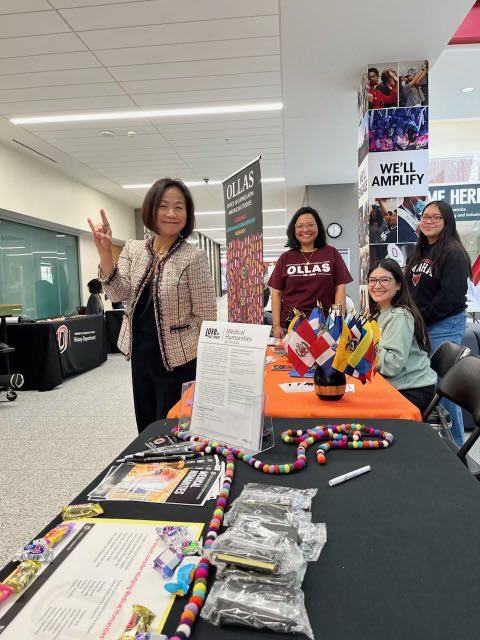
393, 139
244, 230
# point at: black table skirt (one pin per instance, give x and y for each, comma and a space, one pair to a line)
402, 555
47, 352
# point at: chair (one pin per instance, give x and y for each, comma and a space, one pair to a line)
461, 385
441, 362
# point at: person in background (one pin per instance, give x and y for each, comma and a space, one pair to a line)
375, 97
311, 270
94, 304
437, 273
403, 351
411, 92
168, 292
389, 87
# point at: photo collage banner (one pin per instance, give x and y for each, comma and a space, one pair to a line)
392, 161
244, 231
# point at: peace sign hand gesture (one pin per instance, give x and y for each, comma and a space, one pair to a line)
102, 235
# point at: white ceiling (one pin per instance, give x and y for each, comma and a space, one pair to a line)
70, 56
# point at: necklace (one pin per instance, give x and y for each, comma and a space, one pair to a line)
340, 436
309, 257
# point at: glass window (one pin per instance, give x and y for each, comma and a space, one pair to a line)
38, 269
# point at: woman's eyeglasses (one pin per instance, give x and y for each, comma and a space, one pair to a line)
431, 219
305, 226
384, 282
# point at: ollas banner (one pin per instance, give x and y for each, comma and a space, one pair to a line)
244, 230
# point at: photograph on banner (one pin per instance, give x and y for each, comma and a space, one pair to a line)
362, 95
383, 85
244, 234
410, 209
413, 83
363, 140
363, 264
463, 198
363, 296
363, 224
403, 173
398, 129
363, 182
382, 220
398, 252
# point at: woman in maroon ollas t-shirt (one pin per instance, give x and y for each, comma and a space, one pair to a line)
311, 270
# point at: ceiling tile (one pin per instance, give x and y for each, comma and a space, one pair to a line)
14, 109
234, 48
203, 82
66, 91
47, 62
161, 12
214, 96
37, 45
53, 78
185, 32
197, 68
31, 24
21, 6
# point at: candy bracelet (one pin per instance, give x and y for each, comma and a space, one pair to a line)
341, 436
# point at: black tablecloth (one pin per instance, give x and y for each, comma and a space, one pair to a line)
402, 555
113, 321
47, 352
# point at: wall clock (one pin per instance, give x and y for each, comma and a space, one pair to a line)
334, 230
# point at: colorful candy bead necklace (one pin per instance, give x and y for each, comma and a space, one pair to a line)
334, 436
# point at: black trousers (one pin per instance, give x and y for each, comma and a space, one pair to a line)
420, 397
155, 390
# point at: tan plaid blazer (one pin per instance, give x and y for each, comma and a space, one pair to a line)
183, 296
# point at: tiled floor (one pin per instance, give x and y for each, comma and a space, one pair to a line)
54, 443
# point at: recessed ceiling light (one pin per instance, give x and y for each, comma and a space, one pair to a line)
131, 133
107, 132
468, 89
158, 113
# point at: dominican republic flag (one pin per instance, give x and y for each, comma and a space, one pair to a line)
315, 320
299, 341
325, 346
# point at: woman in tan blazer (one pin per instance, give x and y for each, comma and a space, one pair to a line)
168, 291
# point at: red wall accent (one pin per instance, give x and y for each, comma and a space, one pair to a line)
469, 31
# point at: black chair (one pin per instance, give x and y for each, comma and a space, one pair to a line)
461, 385
441, 362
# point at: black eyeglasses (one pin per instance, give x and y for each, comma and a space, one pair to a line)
384, 281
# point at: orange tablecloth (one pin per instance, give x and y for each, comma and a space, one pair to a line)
376, 399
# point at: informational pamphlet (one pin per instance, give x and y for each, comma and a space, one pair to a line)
87, 592
191, 482
228, 402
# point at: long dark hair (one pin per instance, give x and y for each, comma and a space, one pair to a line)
448, 239
153, 198
320, 240
402, 298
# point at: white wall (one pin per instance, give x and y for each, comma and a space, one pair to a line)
34, 191
338, 203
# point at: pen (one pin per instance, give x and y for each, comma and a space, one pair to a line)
156, 458
349, 475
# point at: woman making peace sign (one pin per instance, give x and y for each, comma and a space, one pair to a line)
168, 291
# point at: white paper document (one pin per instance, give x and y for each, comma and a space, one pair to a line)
228, 403
87, 592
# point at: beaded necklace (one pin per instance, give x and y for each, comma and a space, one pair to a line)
341, 436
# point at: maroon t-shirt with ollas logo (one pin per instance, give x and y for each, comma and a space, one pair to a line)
302, 283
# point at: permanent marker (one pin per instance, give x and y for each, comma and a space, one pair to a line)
156, 458
349, 475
